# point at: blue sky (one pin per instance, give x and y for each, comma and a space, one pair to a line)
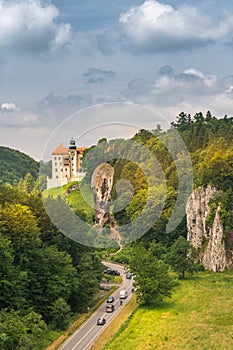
61, 57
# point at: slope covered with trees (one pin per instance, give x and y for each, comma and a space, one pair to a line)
14, 165
45, 278
209, 143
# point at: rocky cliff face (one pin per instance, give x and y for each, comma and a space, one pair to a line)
209, 240
102, 181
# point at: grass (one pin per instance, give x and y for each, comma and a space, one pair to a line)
75, 199
77, 202
199, 316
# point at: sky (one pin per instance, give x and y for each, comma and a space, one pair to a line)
92, 69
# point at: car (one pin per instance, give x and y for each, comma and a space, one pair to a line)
101, 321
105, 287
123, 294
128, 275
112, 272
117, 273
110, 299
107, 270
110, 308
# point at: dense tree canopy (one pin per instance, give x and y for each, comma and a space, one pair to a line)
42, 272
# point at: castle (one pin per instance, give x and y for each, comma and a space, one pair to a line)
66, 165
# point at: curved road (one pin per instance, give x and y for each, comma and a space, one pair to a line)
83, 338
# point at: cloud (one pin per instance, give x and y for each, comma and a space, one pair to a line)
169, 89
96, 75
54, 108
31, 26
156, 27
8, 107
14, 117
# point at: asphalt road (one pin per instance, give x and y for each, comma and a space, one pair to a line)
83, 338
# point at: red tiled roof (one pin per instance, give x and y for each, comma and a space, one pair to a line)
60, 150
63, 150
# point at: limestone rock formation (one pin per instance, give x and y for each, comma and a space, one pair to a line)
102, 181
209, 240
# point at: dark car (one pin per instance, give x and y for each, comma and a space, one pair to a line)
112, 272
101, 321
110, 308
115, 273
110, 300
107, 269
105, 287
128, 276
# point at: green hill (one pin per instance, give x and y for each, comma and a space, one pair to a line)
199, 316
14, 165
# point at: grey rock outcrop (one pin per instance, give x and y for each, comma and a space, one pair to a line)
102, 181
208, 240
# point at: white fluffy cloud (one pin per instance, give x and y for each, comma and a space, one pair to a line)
8, 107
31, 25
154, 27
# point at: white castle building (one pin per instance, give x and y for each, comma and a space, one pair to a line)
66, 165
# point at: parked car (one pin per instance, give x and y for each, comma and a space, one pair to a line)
101, 321
110, 308
112, 272
105, 287
117, 273
128, 275
110, 299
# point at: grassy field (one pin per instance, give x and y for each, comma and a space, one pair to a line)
75, 200
199, 316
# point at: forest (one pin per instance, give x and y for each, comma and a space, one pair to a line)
46, 278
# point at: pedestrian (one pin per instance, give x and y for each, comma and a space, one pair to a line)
121, 302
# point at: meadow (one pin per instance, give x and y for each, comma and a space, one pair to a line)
199, 316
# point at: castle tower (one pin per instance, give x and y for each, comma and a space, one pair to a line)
73, 159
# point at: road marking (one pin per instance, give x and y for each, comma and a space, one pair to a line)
86, 334
94, 315
102, 329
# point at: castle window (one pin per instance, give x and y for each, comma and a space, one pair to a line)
56, 169
61, 170
59, 158
56, 177
56, 164
55, 158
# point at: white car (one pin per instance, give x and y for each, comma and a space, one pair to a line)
123, 294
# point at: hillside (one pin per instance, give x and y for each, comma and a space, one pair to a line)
14, 165
199, 316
